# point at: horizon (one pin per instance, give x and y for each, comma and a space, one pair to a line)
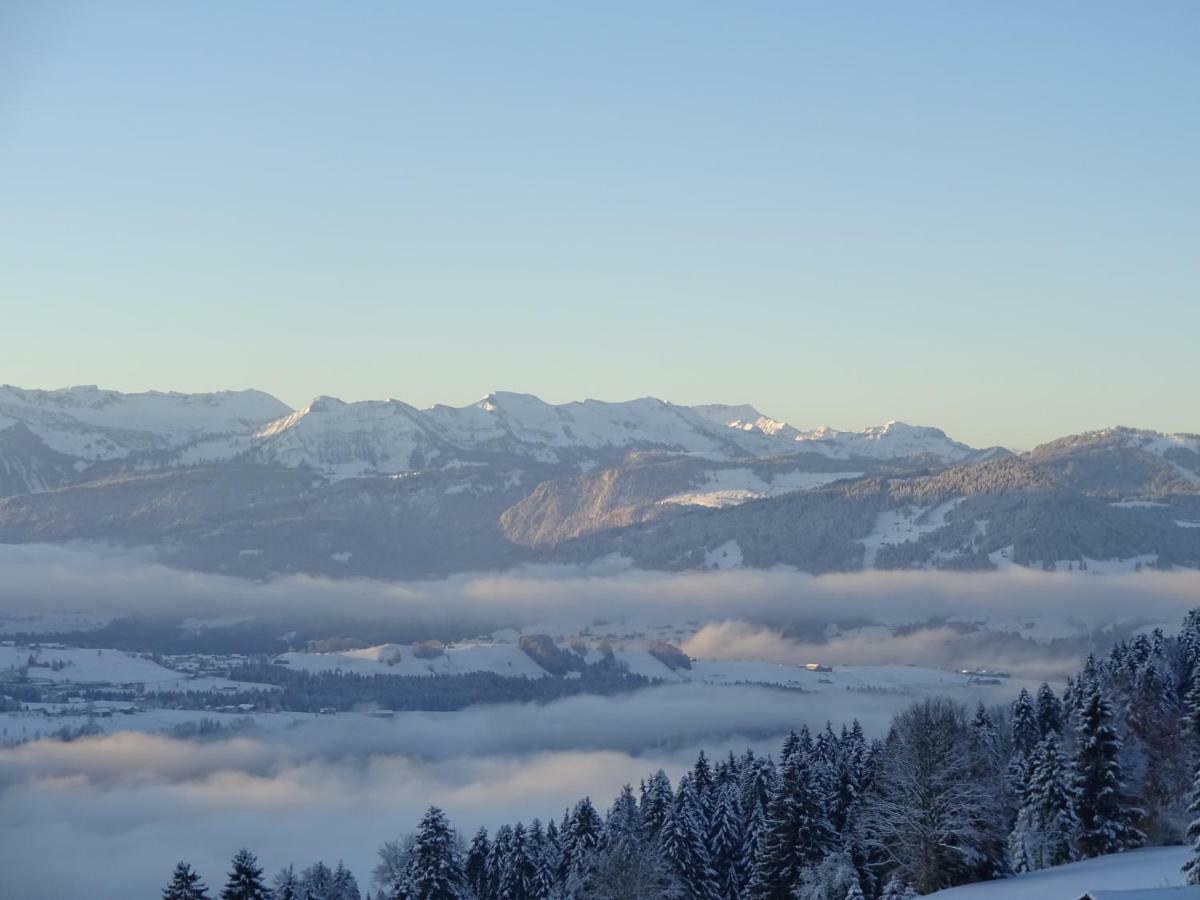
804, 427
444, 446
971, 217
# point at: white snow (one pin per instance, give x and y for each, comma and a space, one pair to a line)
1154, 867
94, 424
904, 525
1003, 559
1185, 523
88, 666
730, 487
724, 556
399, 659
346, 440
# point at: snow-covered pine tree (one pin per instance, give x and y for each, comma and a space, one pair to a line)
1025, 731
759, 778
624, 820
1191, 868
684, 845
1191, 713
1053, 799
834, 878
285, 886
702, 777
475, 869
245, 881
726, 839
498, 860
797, 831
579, 838
317, 881
1189, 638
1152, 717
791, 743
345, 885
1106, 816
435, 872
185, 884
657, 800
1049, 711
1046, 827
1019, 840
627, 863
543, 862
553, 854
897, 889
517, 872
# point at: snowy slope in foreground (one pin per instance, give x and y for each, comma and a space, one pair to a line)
1154, 867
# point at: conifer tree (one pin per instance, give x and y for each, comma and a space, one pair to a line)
684, 845
726, 840
797, 832
498, 860
435, 872
1191, 868
702, 778
517, 872
657, 800
475, 869
1105, 814
579, 837
541, 854
286, 887
897, 889
185, 884
624, 820
1025, 731
317, 881
245, 880
345, 885
1046, 826
1049, 711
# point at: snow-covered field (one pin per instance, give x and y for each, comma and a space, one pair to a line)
729, 487
1154, 867
901, 526
397, 659
1002, 559
83, 666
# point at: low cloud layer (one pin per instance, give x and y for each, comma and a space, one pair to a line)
73, 579
127, 806
941, 647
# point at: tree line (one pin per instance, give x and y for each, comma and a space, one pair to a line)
948, 796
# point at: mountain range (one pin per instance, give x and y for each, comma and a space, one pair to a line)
239, 482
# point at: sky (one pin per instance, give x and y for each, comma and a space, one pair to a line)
979, 216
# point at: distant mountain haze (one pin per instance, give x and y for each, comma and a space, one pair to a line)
238, 482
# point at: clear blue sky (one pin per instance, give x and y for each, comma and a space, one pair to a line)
979, 215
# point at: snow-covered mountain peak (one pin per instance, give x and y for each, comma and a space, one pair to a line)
92, 424
893, 439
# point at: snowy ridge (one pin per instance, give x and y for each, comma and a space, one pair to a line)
91, 424
346, 439
893, 440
